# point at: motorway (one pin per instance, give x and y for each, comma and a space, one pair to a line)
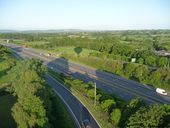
76, 108
124, 88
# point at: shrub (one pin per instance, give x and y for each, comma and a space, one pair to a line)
115, 116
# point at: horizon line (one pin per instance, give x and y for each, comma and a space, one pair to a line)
82, 29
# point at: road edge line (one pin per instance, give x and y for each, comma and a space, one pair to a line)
77, 99
77, 122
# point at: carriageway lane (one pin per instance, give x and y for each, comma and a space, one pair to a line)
104, 78
80, 112
104, 86
76, 108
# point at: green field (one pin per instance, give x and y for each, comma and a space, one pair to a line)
6, 103
71, 50
30, 43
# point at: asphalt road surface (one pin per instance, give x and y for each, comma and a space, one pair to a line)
78, 111
126, 89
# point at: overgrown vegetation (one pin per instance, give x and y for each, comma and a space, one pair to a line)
111, 110
110, 51
36, 104
157, 77
119, 45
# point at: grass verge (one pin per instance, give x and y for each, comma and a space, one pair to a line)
96, 110
61, 117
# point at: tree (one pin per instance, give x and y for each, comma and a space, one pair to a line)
167, 118
141, 73
29, 113
115, 116
130, 109
129, 69
27, 85
90, 93
147, 117
108, 104
162, 62
134, 105
117, 67
98, 96
19, 116
156, 78
4, 51
140, 61
150, 60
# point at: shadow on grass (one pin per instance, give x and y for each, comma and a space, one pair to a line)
61, 65
64, 69
122, 84
78, 50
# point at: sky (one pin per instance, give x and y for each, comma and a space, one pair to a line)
84, 14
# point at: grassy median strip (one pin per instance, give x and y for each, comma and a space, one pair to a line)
96, 110
61, 117
101, 116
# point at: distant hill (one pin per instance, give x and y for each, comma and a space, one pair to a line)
42, 31
79, 30
7, 31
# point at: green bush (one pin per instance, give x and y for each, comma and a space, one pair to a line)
108, 104
90, 93
115, 116
148, 117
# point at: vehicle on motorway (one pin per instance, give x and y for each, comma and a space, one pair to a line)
24, 46
86, 124
161, 91
48, 54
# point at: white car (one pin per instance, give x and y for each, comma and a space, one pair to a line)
49, 54
161, 91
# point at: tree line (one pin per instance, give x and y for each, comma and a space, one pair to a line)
157, 77
119, 45
37, 105
134, 113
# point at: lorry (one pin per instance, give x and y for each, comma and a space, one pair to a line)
161, 91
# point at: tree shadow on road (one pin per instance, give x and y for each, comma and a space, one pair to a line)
66, 68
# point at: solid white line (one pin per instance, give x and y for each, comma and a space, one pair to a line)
76, 120
77, 99
120, 86
134, 93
